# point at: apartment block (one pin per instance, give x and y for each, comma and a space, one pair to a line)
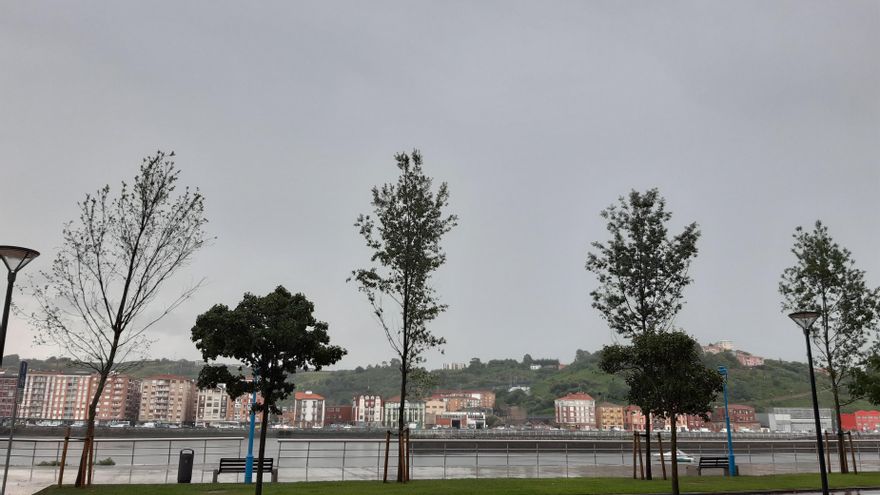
8, 383
413, 413
120, 399
308, 410
168, 399
56, 396
212, 405
367, 410
577, 410
609, 416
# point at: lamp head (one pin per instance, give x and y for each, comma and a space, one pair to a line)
804, 319
15, 258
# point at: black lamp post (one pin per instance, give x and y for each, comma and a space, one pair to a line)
15, 258
805, 320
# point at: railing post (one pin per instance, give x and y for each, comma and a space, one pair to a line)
537, 460
33, 460
131, 463
477, 453
343, 460
308, 456
168, 462
566, 459
444, 459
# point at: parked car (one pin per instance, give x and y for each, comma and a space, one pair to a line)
682, 457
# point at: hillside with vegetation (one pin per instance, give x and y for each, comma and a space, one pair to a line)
775, 384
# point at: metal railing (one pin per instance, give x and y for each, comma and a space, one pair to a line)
155, 460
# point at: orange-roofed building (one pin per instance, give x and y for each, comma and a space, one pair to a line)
308, 410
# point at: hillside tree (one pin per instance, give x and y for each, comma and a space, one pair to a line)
642, 270
666, 378
404, 234
96, 299
824, 278
275, 336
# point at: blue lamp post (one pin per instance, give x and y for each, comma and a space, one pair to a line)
731, 461
249, 460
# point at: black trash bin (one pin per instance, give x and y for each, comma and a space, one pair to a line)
185, 466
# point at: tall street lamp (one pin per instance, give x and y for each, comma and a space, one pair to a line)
805, 320
731, 461
15, 258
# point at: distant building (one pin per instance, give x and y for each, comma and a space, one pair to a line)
609, 416
367, 410
577, 410
454, 366
120, 400
239, 409
55, 395
413, 412
483, 398
308, 410
742, 418
212, 405
521, 388
795, 420
462, 420
168, 399
720, 346
863, 421
8, 383
633, 418
433, 408
749, 360
338, 415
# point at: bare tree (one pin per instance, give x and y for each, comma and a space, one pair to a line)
112, 263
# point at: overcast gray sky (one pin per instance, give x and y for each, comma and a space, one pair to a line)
751, 118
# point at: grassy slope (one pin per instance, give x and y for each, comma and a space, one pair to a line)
581, 486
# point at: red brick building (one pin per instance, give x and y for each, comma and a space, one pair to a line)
120, 400
7, 394
338, 415
742, 418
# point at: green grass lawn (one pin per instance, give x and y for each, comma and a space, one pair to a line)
555, 486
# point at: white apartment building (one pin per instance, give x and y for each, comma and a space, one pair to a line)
367, 410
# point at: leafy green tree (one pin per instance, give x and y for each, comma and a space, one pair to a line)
641, 270
405, 237
866, 381
825, 278
96, 302
667, 379
276, 336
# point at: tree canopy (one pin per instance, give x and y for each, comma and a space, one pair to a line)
641, 270
825, 278
276, 336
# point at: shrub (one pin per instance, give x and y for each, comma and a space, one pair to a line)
106, 462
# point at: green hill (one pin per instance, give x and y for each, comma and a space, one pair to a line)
775, 384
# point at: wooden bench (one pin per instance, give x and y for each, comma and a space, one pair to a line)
238, 465
713, 462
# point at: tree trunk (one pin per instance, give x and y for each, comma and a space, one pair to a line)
647, 446
674, 455
264, 427
82, 476
841, 446
401, 422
